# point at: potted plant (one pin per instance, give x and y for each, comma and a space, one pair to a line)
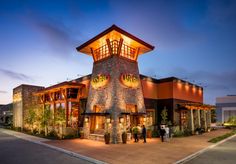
124, 137
149, 132
107, 138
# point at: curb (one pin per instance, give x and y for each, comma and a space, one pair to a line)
71, 153
194, 155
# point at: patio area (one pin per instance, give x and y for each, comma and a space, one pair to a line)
154, 151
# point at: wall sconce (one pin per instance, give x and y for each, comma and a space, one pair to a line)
108, 120
121, 119
86, 120
144, 119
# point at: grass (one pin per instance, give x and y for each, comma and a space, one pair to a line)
220, 138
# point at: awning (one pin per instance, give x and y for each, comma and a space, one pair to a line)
96, 114
196, 106
133, 114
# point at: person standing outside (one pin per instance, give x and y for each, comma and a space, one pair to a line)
162, 132
144, 133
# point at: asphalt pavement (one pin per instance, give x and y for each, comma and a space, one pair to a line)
224, 153
17, 151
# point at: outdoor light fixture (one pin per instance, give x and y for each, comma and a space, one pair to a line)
108, 120
144, 119
86, 119
121, 119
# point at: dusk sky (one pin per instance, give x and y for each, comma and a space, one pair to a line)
194, 40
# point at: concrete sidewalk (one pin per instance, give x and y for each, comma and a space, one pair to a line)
24, 136
153, 151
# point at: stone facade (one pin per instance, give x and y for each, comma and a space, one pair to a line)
115, 96
23, 99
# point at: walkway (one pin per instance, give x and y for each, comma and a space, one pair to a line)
153, 151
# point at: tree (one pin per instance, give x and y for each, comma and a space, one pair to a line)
31, 117
46, 119
60, 119
213, 115
164, 115
60, 116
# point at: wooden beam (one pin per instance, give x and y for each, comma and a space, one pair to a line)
109, 46
66, 108
120, 46
136, 54
94, 57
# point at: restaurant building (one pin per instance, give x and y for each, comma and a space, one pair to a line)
115, 97
225, 108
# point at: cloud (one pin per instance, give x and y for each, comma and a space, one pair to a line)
16, 75
3, 92
212, 80
57, 36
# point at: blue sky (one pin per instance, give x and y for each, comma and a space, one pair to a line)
194, 40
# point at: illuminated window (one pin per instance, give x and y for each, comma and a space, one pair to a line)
101, 52
128, 52
114, 47
131, 108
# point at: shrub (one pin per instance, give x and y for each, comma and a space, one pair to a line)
184, 133
52, 134
155, 134
70, 136
219, 138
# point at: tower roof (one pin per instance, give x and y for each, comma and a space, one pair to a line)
115, 33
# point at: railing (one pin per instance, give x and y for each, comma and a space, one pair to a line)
103, 51
127, 52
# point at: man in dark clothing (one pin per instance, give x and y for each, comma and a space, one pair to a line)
162, 133
144, 133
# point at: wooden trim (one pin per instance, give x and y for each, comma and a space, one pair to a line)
136, 53
109, 46
120, 46
116, 28
94, 58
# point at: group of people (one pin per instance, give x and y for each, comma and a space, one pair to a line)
164, 133
135, 132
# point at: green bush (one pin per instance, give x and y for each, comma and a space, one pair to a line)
52, 134
184, 133
178, 133
155, 134
70, 136
219, 138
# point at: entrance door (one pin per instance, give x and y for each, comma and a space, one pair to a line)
97, 123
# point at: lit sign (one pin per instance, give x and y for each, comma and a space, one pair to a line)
17, 97
100, 81
129, 80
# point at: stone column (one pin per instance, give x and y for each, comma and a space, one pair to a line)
192, 121
205, 121
199, 118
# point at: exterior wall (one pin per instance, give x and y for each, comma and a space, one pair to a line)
187, 92
225, 107
17, 107
171, 90
149, 89
23, 99
165, 90
114, 96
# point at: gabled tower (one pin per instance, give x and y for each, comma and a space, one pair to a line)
115, 94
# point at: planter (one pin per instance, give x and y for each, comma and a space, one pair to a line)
149, 134
124, 138
107, 138
81, 135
